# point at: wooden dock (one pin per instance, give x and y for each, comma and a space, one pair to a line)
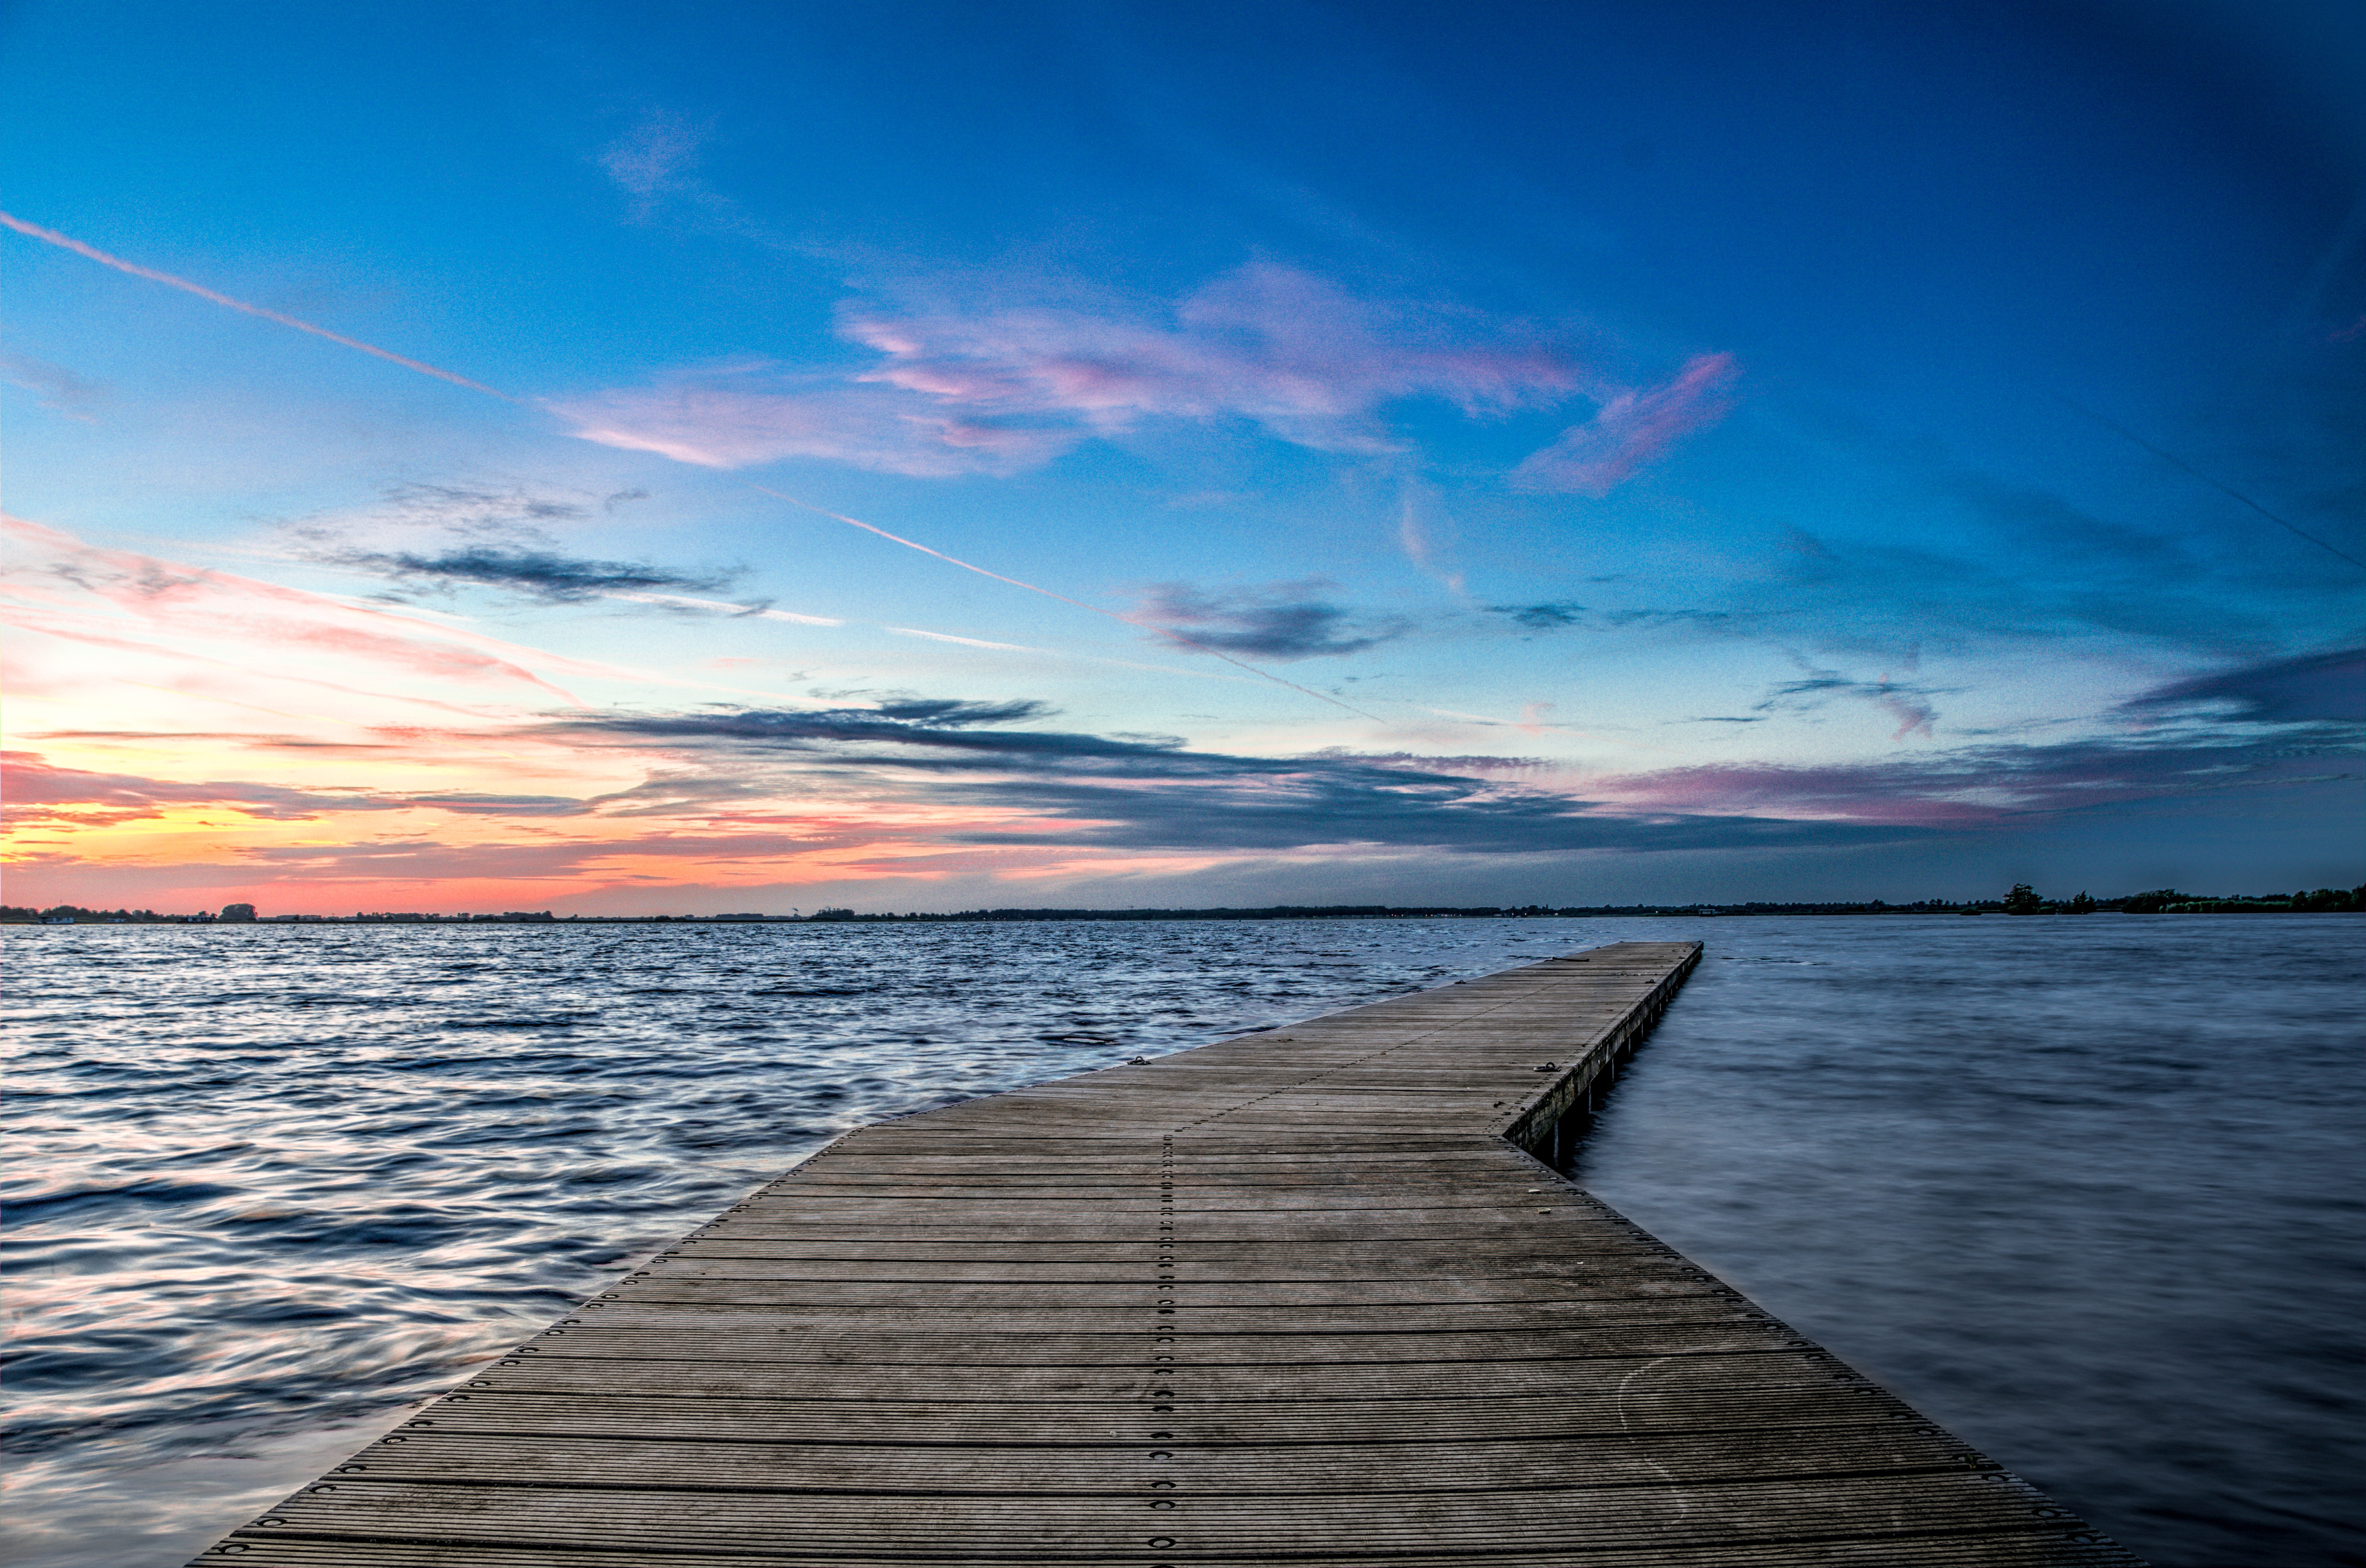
1300, 1297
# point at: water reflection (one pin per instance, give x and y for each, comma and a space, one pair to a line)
2068, 1184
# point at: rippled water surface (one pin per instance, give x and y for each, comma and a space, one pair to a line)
2083, 1189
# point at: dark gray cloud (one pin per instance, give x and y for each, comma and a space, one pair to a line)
1154, 793
1547, 617
2315, 686
909, 734
542, 575
473, 509
1909, 704
953, 714
1984, 786
1562, 614
2271, 722
480, 537
1278, 621
1341, 805
2277, 723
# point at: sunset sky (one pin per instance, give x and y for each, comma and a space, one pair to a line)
724, 458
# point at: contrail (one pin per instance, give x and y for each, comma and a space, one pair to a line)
1079, 604
2174, 461
66, 242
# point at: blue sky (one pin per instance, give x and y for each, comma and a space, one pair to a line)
1421, 453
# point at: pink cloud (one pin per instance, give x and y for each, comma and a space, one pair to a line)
1943, 796
1268, 344
997, 390
1912, 711
735, 421
64, 578
41, 791
1974, 787
1632, 430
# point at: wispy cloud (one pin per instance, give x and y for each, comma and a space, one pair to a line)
67, 243
1426, 532
1115, 792
1281, 620
1288, 350
42, 792
1909, 704
58, 389
1112, 792
1551, 615
908, 786
119, 599
38, 791
2154, 578
657, 155
1261, 675
997, 389
746, 416
1990, 785
535, 574
2280, 721
502, 543
2317, 686
1632, 430
475, 510
1566, 614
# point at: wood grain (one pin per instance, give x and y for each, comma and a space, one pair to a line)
1303, 1296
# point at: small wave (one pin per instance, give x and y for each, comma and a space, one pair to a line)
266, 1200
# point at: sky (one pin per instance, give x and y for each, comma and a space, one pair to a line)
918, 455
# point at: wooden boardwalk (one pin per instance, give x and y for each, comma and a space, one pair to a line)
1300, 1297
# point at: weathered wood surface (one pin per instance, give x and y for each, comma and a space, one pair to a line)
1300, 1296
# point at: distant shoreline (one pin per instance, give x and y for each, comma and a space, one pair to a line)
2022, 902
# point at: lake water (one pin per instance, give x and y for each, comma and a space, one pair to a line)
2085, 1189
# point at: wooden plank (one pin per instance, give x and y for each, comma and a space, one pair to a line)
1204, 1470
1900, 1509
1652, 1407
1289, 1297
2046, 1546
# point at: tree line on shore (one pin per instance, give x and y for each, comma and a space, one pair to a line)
2021, 900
